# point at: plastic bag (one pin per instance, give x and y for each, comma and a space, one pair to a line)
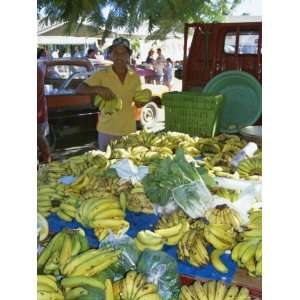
194, 198
93, 294
161, 269
126, 169
129, 256
250, 195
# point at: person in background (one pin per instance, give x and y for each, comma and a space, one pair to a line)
41, 53
118, 80
55, 54
77, 53
169, 70
91, 53
150, 61
150, 58
159, 66
42, 118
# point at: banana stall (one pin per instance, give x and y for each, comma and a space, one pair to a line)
140, 232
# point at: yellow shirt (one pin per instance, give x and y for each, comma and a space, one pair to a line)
122, 122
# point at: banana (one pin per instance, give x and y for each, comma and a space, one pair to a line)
75, 293
56, 242
139, 282
62, 215
250, 265
232, 293
41, 287
103, 266
254, 233
128, 282
110, 213
76, 246
148, 288
258, 268
200, 291
142, 247
173, 240
110, 223
148, 237
84, 243
123, 200
153, 296
220, 232
171, 231
217, 262
211, 290
41, 295
103, 207
248, 253
220, 290
109, 294
213, 240
97, 260
66, 250
70, 282
243, 294
186, 294
73, 262
47, 282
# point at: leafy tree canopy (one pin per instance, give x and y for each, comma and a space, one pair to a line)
163, 16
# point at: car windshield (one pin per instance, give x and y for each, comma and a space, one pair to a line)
64, 71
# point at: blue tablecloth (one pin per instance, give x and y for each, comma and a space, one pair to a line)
138, 222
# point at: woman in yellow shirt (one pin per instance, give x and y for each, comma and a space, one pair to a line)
116, 81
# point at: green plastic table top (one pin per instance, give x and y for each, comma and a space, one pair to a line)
242, 99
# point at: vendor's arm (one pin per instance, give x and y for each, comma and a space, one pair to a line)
138, 88
93, 86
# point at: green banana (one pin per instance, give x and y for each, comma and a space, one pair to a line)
70, 282
75, 293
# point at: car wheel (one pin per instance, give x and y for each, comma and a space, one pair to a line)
149, 115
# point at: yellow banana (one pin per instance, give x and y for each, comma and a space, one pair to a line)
232, 293
201, 293
41, 295
213, 240
66, 250
109, 295
217, 262
148, 237
220, 290
171, 231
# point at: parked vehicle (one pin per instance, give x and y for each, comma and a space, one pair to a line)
71, 117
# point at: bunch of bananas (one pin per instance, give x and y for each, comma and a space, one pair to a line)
213, 290
109, 106
143, 96
60, 249
222, 214
49, 198
220, 236
47, 288
147, 239
166, 221
231, 195
251, 168
68, 207
104, 215
135, 287
89, 263
137, 201
192, 247
248, 252
172, 235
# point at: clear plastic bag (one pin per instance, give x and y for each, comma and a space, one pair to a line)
161, 269
194, 198
129, 256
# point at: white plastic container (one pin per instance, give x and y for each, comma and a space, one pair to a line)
246, 152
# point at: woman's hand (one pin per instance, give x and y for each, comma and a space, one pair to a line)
106, 93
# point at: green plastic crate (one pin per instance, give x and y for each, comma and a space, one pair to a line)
192, 113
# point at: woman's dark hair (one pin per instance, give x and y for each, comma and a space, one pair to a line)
41, 52
169, 60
